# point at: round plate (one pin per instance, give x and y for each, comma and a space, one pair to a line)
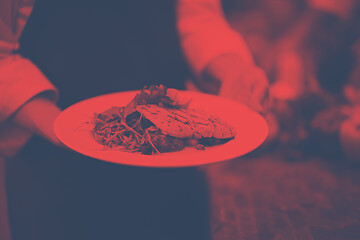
73, 129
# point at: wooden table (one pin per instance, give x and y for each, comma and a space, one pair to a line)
269, 197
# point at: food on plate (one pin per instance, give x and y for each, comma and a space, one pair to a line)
157, 120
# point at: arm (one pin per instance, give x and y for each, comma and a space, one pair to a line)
205, 35
27, 104
27, 98
218, 55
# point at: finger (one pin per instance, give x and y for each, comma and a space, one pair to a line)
260, 86
265, 102
260, 94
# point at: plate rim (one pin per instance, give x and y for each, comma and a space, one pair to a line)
57, 122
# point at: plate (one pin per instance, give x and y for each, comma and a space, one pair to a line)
73, 129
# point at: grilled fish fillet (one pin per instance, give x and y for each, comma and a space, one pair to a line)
186, 123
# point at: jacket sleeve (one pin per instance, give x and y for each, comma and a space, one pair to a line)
205, 34
20, 79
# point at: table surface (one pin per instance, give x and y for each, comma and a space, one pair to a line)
267, 196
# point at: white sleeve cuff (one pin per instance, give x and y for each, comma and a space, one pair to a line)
205, 34
21, 80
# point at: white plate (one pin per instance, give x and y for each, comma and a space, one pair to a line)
73, 130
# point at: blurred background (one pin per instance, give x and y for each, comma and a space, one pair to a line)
310, 53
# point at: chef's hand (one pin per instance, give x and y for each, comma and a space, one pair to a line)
38, 116
240, 81
250, 88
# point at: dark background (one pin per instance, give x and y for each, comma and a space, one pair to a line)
89, 48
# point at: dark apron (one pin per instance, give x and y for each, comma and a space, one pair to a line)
88, 50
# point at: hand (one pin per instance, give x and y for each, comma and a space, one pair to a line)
250, 88
38, 116
238, 80
289, 69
